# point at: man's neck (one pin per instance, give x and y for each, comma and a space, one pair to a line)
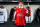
20, 7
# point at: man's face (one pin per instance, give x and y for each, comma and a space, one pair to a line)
20, 4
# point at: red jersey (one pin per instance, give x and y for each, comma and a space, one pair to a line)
19, 15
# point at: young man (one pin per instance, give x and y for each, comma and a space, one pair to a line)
19, 15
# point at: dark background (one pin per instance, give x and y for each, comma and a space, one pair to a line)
19, 0
10, 24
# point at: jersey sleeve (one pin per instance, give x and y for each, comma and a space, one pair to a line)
14, 16
15, 13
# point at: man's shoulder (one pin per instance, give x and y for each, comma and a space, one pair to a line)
17, 9
24, 9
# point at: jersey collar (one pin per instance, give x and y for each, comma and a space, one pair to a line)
21, 7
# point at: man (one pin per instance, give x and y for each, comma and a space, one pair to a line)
19, 15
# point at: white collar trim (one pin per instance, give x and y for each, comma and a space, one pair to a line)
21, 7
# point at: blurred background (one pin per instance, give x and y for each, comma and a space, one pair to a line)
9, 4
19, 0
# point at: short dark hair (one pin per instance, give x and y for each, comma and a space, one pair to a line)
21, 2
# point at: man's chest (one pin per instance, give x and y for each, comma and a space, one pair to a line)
21, 10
